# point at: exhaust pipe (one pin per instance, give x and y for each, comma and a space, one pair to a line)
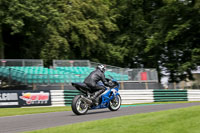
88, 101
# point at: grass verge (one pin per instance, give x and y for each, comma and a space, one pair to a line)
31, 110
184, 120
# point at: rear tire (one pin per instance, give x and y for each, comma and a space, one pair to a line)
115, 103
79, 107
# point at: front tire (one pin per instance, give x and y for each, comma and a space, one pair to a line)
79, 106
115, 103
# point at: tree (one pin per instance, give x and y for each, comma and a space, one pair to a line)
91, 22
176, 37
59, 29
129, 33
28, 26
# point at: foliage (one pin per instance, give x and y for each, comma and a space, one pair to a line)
176, 39
159, 34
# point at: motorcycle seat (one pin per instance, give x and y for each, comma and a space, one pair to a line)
81, 85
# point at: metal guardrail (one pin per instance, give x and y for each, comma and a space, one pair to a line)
71, 63
193, 95
136, 96
64, 97
21, 62
170, 95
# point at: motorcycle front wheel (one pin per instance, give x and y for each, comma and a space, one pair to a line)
115, 103
79, 106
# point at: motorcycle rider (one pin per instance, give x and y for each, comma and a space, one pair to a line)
92, 80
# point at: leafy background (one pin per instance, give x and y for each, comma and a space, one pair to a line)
128, 33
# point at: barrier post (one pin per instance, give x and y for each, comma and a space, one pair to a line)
62, 86
174, 85
146, 86
34, 87
122, 86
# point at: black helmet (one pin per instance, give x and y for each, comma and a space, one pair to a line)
101, 67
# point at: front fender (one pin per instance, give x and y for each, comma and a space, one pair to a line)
115, 92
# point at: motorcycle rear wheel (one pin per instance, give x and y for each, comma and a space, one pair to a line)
115, 103
79, 106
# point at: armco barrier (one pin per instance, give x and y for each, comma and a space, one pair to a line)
69, 95
62, 97
136, 96
57, 98
170, 95
193, 95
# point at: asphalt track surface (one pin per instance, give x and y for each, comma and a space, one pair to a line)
20, 123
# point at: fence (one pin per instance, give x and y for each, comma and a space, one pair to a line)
21, 62
193, 95
31, 72
170, 95
137, 75
71, 63
67, 71
143, 75
182, 85
136, 96
64, 97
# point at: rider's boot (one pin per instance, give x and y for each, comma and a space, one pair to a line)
94, 97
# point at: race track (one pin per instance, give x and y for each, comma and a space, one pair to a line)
13, 124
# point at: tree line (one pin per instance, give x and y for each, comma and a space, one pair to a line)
161, 34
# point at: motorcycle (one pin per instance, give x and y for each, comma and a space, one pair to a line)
110, 98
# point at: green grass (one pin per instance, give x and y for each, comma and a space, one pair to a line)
184, 120
31, 110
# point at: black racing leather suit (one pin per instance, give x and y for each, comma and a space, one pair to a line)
93, 78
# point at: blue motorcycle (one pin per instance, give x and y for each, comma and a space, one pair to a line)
109, 99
